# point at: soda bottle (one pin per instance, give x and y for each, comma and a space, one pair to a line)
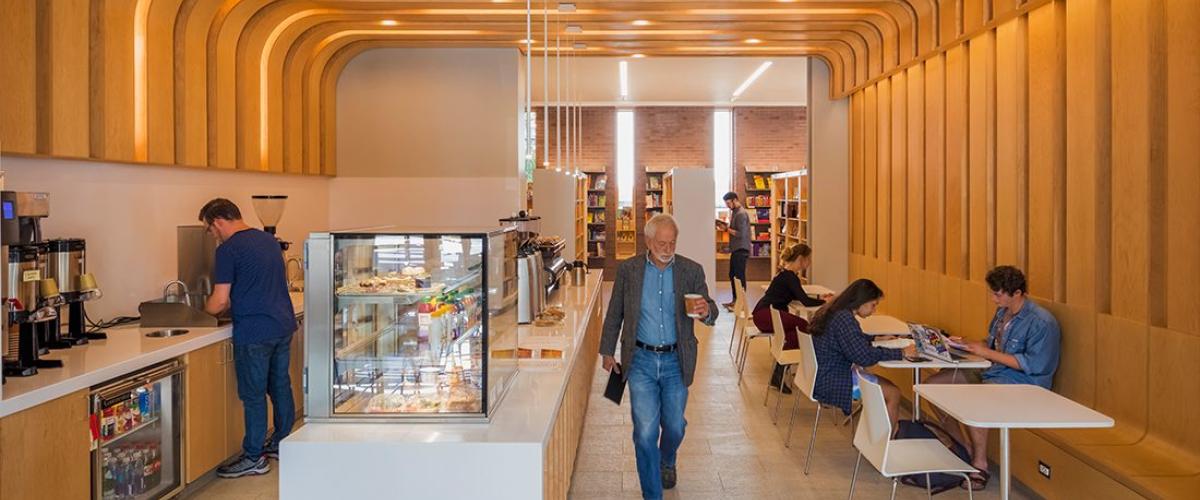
122, 476
155, 466
138, 473
143, 399
108, 488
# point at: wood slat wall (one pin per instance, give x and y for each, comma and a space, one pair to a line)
1063, 141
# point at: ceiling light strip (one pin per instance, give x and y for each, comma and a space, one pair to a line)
623, 66
750, 81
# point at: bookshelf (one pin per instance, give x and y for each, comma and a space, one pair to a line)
790, 209
596, 217
757, 201
654, 194
626, 233
559, 199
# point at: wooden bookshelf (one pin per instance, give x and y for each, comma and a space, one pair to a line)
626, 233
595, 190
581, 218
755, 193
790, 209
654, 195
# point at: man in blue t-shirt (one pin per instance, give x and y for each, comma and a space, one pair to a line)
250, 279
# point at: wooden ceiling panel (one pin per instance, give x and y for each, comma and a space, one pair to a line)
249, 84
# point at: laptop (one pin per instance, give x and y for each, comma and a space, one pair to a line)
933, 345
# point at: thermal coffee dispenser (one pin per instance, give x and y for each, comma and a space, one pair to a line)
531, 289
32, 298
67, 265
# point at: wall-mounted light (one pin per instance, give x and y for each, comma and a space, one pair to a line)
389, 22
624, 70
750, 81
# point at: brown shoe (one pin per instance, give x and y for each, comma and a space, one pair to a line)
728, 306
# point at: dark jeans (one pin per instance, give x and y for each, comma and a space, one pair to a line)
658, 398
737, 269
262, 369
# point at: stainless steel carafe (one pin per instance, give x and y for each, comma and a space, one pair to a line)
65, 264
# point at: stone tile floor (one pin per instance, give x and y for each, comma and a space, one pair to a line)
732, 449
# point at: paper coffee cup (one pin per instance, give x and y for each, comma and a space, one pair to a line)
688, 300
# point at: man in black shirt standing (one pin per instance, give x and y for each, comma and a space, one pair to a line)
739, 243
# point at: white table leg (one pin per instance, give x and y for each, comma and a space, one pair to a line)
1004, 475
916, 395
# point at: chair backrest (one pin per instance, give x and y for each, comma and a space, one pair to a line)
874, 427
778, 336
806, 374
741, 306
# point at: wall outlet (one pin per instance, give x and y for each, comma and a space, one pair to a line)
1044, 469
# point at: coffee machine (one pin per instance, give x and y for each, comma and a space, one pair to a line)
67, 265
31, 299
531, 289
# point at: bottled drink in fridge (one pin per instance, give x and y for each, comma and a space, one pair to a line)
109, 481
138, 473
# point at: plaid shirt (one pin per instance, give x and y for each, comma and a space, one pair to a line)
842, 345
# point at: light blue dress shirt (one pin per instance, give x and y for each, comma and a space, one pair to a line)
1033, 338
656, 324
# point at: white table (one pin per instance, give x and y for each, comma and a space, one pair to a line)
971, 362
1010, 406
882, 324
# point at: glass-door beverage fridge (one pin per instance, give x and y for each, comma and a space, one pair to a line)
137, 435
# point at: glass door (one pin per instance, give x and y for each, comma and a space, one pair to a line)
136, 435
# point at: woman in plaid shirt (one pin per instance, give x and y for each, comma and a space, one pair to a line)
840, 343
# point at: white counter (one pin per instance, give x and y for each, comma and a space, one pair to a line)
126, 350
499, 460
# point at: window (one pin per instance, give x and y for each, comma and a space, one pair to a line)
625, 158
722, 154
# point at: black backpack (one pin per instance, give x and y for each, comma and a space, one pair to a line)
938, 482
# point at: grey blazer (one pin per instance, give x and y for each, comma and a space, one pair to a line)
625, 307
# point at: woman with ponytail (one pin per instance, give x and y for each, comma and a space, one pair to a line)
785, 288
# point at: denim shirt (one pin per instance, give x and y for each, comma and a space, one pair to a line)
656, 324
1032, 338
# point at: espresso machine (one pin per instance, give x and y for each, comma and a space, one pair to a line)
531, 288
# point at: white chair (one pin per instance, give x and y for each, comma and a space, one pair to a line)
901, 457
786, 357
805, 382
740, 321
749, 331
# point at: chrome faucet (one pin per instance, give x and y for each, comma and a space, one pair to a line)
287, 266
167, 295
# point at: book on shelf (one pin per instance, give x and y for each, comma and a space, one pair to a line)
760, 182
654, 181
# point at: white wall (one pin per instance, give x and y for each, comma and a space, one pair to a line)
428, 137
829, 166
129, 213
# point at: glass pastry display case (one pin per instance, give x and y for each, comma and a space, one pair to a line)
410, 325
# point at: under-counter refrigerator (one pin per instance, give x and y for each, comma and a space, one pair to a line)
137, 435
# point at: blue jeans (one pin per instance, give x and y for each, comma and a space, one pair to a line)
262, 369
658, 397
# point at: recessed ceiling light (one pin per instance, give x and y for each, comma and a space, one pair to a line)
389, 22
574, 28
638, 56
580, 46
753, 40
525, 41
641, 22
566, 7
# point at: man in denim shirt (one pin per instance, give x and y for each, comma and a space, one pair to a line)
1023, 346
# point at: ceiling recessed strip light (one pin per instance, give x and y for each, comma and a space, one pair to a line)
566, 7
574, 28
624, 69
641, 22
389, 22
638, 56
750, 81
580, 46
753, 40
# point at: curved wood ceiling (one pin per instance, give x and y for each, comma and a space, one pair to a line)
250, 84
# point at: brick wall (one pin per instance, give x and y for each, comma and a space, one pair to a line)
771, 139
599, 127
669, 137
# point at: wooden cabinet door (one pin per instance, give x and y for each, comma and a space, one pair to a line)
235, 427
204, 409
45, 451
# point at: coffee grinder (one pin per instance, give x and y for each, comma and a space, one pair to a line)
269, 208
31, 302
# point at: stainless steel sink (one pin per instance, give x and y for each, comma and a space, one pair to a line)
163, 314
169, 332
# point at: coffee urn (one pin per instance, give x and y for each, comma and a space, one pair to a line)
27, 316
67, 264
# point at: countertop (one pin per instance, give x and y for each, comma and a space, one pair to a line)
126, 350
